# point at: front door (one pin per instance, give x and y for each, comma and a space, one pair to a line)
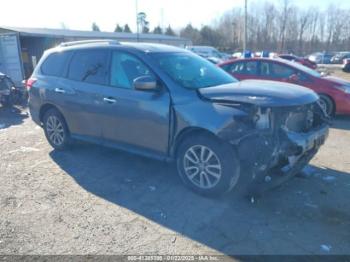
275, 71
134, 118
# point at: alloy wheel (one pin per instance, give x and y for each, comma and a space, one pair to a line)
202, 166
326, 106
55, 130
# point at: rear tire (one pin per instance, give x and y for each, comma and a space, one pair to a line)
56, 130
7, 101
327, 104
207, 165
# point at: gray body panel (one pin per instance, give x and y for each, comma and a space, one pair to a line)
151, 122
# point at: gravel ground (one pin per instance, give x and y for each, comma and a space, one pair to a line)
94, 200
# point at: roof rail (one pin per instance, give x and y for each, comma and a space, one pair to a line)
82, 42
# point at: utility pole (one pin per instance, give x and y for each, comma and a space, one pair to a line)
137, 21
245, 25
162, 19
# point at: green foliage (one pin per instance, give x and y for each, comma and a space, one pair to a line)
95, 27
127, 29
118, 28
170, 31
157, 30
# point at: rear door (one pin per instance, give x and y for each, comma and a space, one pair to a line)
79, 93
133, 118
243, 70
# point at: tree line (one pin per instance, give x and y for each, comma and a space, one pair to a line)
143, 27
281, 27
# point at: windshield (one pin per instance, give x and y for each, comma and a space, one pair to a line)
192, 71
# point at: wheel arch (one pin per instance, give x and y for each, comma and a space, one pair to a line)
187, 132
46, 107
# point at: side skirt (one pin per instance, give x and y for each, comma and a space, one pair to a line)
124, 147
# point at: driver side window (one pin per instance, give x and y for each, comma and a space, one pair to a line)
281, 71
125, 68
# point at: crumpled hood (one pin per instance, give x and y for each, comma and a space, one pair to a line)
260, 92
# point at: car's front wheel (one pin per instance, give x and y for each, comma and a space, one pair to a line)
56, 130
327, 105
207, 165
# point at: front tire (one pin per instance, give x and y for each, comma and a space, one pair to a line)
327, 105
207, 165
56, 130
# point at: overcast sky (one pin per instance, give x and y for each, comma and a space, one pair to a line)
79, 14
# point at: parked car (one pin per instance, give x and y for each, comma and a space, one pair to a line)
209, 52
339, 57
300, 60
334, 92
170, 104
346, 65
321, 58
9, 93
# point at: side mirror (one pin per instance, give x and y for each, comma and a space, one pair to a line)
145, 83
294, 78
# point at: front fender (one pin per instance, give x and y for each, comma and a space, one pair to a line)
223, 121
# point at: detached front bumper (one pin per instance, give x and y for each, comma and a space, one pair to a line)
284, 160
310, 140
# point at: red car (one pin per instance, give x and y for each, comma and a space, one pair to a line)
300, 60
334, 92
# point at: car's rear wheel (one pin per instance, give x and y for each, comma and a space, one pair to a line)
56, 130
327, 105
207, 165
7, 101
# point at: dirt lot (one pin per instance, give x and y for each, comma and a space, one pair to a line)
93, 200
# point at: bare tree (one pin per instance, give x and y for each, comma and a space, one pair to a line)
277, 27
304, 22
284, 15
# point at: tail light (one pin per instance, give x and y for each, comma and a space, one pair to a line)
29, 83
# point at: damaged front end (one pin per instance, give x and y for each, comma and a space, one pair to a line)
275, 143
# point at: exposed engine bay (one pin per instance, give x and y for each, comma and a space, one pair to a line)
277, 142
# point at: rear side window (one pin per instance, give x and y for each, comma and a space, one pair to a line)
54, 64
245, 68
89, 66
237, 68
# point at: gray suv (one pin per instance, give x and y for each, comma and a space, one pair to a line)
170, 104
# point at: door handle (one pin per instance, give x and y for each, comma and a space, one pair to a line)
60, 90
109, 100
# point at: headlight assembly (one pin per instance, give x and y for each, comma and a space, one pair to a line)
344, 88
